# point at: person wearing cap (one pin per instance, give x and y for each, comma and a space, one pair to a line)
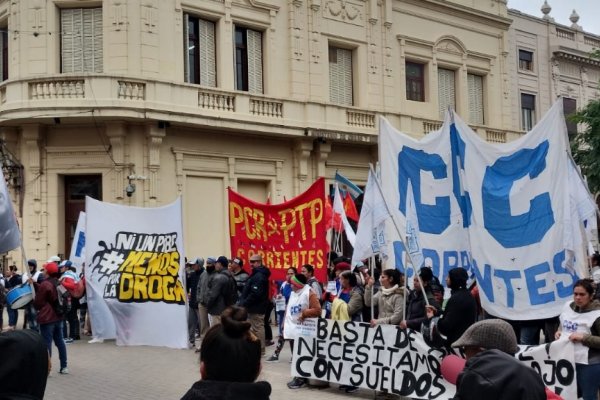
240, 276
197, 268
491, 371
415, 310
221, 291
255, 297
13, 279
202, 295
69, 279
51, 324
461, 309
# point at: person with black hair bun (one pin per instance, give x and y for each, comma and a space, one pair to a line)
230, 363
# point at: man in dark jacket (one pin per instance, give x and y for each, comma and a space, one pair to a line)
220, 291
255, 297
492, 372
202, 294
197, 267
51, 324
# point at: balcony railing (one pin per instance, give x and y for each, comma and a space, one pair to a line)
57, 89
561, 33
132, 90
122, 97
211, 100
360, 119
591, 41
266, 108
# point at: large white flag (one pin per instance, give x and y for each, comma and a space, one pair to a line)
338, 208
370, 235
10, 237
135, 274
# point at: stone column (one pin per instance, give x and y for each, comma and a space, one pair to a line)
155, 137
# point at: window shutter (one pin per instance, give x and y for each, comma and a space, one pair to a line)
208, 75
446, 91
81, 40
186, 48
3, 49
255, 79
340, 76
475, 83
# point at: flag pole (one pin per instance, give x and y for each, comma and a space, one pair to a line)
400, 235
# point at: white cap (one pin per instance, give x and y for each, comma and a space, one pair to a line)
54, 259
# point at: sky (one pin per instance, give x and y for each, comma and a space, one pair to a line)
588, 10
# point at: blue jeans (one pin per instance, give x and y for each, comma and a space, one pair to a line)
53, 331
13, 316
587, 380
280, 317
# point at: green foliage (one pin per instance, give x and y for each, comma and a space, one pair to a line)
585, 146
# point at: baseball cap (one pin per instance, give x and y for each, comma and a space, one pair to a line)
223, 261
55, 259
66, 263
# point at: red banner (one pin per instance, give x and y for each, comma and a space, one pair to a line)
289, 234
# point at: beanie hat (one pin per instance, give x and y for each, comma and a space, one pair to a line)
490, 334
211, 260
51, 268
32, 263
199, 261
223, 261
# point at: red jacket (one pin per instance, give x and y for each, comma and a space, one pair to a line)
45, 298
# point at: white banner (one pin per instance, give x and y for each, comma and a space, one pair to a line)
387, 358
501, 211
135, 274
77, 255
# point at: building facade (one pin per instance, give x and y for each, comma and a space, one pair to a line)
137, 102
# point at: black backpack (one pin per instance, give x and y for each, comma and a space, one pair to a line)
63, 304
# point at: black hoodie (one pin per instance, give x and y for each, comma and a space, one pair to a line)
23, 366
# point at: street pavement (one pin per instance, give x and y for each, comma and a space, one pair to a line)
103, 371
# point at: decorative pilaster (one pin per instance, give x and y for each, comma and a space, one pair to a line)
321, 154
155, 138
179, 176
33, 172
116, 135
302, 150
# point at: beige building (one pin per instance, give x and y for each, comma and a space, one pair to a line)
137, 102
550, 60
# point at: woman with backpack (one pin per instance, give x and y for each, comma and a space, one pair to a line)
51, 323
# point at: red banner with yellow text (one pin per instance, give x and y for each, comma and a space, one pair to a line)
289, 234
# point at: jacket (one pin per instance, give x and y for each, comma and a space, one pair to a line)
203, 282
218, 293
592, 340
222, 390
459, 314
390, 306
46, 297
314, 306
495, 375
354, 298
415, 310
255, 297
192, 287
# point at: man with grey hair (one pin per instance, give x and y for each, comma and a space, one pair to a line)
491, 371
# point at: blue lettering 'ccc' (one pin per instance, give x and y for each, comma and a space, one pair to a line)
516, 230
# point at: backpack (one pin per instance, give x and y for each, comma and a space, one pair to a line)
63, 304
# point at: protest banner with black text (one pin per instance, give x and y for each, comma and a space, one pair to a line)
135, 274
